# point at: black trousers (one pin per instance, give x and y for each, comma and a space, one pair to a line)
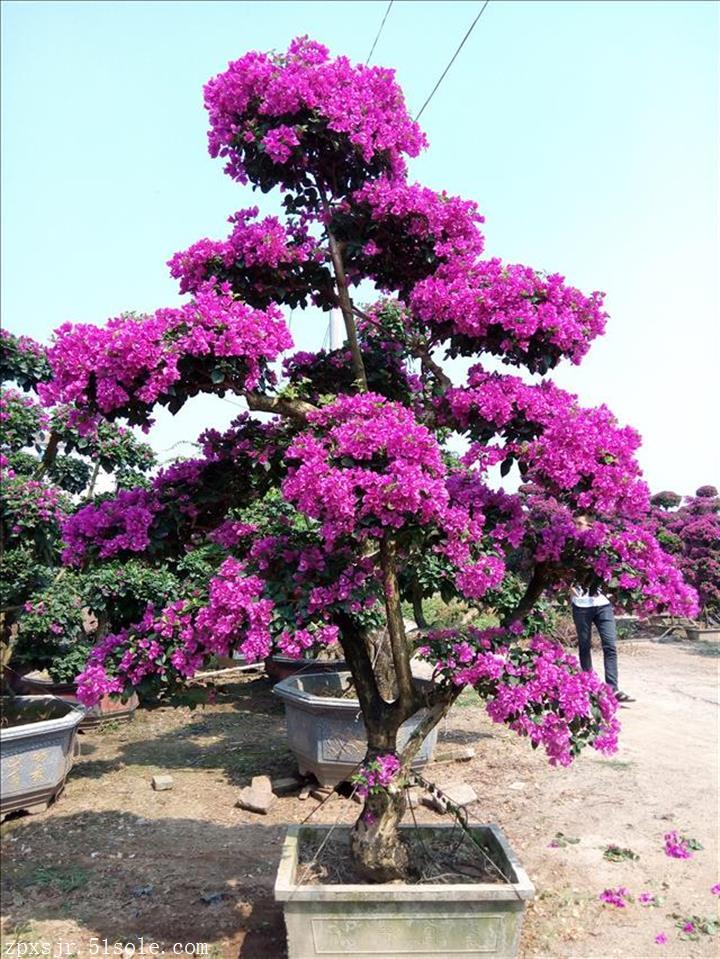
604, 620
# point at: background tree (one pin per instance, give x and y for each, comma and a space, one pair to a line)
51, 615
690, 531
368, 498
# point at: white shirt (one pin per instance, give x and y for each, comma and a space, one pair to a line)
585, 601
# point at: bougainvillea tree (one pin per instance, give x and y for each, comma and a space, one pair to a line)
689, 530
362, 497
50, 614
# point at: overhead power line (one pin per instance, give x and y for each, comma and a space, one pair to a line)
377, 36
454, 56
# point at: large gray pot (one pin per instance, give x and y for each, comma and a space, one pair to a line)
36, 755
399, 921
706, 634
326, 734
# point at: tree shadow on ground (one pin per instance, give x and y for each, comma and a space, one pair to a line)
117, 876
694, 647
701, 648
245, 740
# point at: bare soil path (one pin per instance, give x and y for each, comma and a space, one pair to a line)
116, 861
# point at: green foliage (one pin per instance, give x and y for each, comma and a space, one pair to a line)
111, 445
23, 421
542, 617
22, 361
118, 593
63, 878
22, 574
70, 473
615, 853
694, 927
51, 634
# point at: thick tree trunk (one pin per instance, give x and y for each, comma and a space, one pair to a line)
381, 655
375, 844
376, 847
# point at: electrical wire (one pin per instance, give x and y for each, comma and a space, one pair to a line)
454, 56
377, 36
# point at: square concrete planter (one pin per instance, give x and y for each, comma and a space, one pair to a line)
37, 754
327, 734
400, 921
705, 634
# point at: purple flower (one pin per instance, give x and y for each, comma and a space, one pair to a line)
677, 847
661, 939
615, 897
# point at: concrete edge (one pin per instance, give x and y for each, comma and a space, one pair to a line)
73, 718
287, 890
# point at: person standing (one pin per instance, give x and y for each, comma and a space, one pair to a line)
592, 608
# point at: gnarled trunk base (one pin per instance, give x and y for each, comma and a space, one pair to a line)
377, 850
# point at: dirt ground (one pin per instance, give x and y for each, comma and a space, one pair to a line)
114, 861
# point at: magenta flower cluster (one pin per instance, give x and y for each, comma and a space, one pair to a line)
677, 847
160, 644
111, 527
511, 310
615, 897
691, 534
179, 638
139, 359
250, 103
265, 243
235, 609
536, 688
376, 775
580, 455
368, 467
30, 507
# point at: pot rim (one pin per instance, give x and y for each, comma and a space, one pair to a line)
70, 720
287, 890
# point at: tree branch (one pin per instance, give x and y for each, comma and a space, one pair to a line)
93, 481
407, 695
295, 409
428, 364
535, 588
442, 698
49, 456
347, 311
358, 659
344, 300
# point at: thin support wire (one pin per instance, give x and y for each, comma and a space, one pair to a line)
377, 35
454, 56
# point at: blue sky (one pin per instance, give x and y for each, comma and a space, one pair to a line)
587, 132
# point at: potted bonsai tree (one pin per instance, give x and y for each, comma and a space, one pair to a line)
690, 531
356, 445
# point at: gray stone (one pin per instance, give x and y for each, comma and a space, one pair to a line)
258, 797
451, 754
321, 793
159, 783
263, 783
286, 785
459, 794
